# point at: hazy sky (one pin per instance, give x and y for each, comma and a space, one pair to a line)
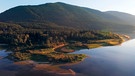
127, 6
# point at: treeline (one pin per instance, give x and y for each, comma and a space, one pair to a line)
28, 42
19, 36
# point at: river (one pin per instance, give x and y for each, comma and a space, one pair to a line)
104, 61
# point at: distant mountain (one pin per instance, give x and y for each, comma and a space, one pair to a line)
128, 18
64, 15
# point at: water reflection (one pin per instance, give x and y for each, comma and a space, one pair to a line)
108, 61
25, 68
105, 61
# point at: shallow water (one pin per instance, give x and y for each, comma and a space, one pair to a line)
104, 61
23, 68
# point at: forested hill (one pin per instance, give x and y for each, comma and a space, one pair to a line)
33, 32
128, 18
61, 15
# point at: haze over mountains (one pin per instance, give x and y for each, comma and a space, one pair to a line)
62, 15
128, 18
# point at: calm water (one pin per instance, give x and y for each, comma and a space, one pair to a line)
103, 61
10, 68
108, 61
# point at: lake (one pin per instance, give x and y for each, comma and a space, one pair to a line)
104, 61
107, 61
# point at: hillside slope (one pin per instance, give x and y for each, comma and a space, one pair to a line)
64, 15
128, 18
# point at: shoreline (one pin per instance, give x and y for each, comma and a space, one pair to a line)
47, 68
95, 44
59, 54
56, 68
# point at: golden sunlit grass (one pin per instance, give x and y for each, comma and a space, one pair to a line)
106, 42
93, 45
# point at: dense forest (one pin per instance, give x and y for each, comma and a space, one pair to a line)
19, 36
35, 32
61, 15
38, 44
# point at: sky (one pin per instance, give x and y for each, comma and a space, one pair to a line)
127, 6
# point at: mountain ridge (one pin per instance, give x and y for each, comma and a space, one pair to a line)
64, 15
